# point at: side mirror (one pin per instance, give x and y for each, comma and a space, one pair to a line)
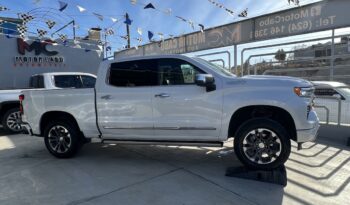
206, 80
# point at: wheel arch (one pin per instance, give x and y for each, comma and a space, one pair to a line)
48, 116
5, 106
278, 114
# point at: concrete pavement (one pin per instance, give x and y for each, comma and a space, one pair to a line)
123, 174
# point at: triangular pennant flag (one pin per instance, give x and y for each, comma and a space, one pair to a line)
127, 21
36, 2
243, 13
114, 20
22, 30
63, 5
125, 37
3, 8
108, 48
50, 24
179, 17
150, 35
109, 32
99, 16
136, 47
41, 33
201, 27
139, 31
161, 36
25, 18
191, 24
63, 37
81, 9
133, 2
149, 6
168, 11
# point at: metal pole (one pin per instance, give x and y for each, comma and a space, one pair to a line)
235, 58
127, 30
73, 30
332, 58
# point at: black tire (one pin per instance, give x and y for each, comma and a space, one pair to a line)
68, 143
262, 139
11, 121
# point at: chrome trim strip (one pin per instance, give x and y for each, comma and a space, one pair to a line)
161, 128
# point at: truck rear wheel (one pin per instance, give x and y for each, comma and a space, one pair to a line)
62, 138
12, 121
262, 144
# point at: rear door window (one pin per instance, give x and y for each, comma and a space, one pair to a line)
88, 81
37, 81
68, 81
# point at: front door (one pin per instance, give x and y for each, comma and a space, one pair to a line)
182, 110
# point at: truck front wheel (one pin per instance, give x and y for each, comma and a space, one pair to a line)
262, 144
62, 138
12, 121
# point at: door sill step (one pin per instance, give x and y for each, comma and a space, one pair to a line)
153, 142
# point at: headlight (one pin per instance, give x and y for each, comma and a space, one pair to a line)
304, 92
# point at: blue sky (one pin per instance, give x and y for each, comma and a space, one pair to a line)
199, 11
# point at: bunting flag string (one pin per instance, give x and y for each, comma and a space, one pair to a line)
221, 7
167, 12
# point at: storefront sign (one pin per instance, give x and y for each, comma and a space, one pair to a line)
42, 56
320, 16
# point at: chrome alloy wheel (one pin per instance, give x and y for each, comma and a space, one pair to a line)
59, 139
262, 146
13, 122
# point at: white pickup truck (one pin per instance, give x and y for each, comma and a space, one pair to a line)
176, 100
9, 102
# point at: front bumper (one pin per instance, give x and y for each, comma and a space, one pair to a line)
308, 135
27, 129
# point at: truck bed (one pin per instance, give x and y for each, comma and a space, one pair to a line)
79, 103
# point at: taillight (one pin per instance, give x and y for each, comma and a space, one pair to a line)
21, 98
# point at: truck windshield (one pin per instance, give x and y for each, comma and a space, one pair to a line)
215, 67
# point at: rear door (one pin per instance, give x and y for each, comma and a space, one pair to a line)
183, 110
124, 103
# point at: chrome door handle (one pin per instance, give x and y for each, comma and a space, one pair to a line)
162, 95
106, 97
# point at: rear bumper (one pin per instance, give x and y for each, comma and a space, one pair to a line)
27, 129
308, 135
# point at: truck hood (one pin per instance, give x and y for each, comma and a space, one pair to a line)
270, 81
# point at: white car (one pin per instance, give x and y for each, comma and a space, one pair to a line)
176, 100
328, 95
9, 102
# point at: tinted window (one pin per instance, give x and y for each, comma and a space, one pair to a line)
37, 82
134, 73
176, 72
68, 81
88, 81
